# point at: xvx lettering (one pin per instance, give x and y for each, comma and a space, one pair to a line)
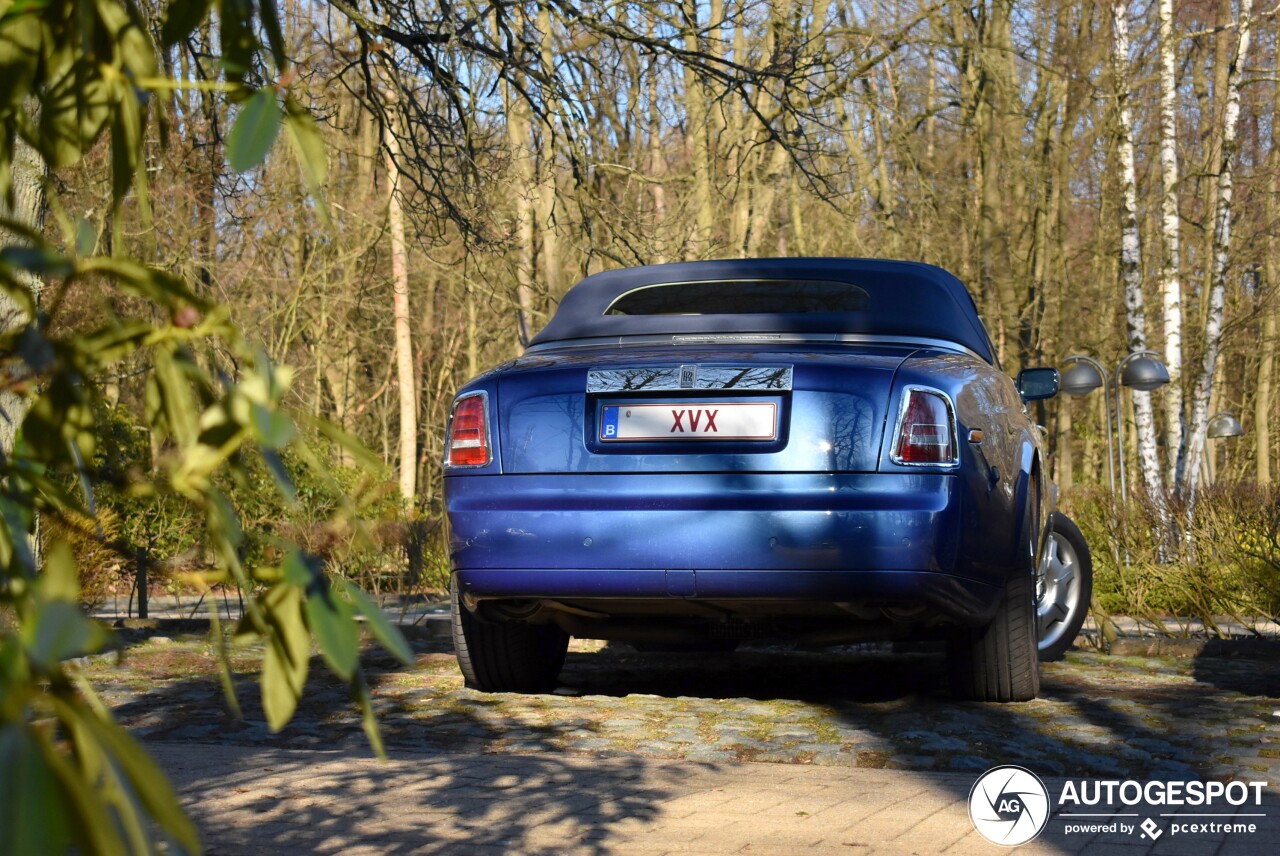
695, 420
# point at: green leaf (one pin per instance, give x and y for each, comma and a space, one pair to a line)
379, 625
153, 410
60, 415
19, 56
175, 392
335, 630
287, 657
272, 428
127, 125
148, 782
275, 35
17, 523
279, 474
38, 260
74, 110
122, 33
8, 136
254, 131
164, 288
22, 7
298, 570
330, 620
116, 342
359, 452
61, 579
224, 660
182, 18
91, 826
308, 147
238, 42
58, 631
36, 350
369, 719
86, 238
33, 815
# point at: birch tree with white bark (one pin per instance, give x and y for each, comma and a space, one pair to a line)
1131, 246
1170, 261
1221, 258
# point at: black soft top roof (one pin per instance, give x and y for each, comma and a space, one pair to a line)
908, 299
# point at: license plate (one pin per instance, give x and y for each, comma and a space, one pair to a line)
689, 420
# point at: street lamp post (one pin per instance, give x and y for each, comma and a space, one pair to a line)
1142, 372
1139, 371
1085, 375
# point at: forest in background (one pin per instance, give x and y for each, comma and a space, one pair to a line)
1103, 176
230, 229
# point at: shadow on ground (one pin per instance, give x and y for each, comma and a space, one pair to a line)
562, 759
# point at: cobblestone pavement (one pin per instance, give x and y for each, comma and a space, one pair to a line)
751, 748
264, 800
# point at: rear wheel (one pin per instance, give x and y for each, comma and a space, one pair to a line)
1064, 587
507, 657
998, 662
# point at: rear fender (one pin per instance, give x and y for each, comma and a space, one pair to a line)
1031, 495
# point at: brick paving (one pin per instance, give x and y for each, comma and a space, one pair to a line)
769, 750
250, 800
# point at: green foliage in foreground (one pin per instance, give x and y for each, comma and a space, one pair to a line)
74, 73
80, 767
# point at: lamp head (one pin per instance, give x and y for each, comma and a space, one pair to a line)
1144, 374
1080, 379
1224, 424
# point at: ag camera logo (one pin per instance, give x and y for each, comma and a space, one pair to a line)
1009, 805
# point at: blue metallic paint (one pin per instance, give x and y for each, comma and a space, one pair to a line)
820, 514
756, 521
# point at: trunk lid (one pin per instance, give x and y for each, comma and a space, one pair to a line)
696, 409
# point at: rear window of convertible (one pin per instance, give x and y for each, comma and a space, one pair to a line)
742, 297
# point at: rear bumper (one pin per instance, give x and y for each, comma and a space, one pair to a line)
714, 536
962, 600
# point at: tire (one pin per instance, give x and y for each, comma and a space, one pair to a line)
505, 657
1064, 587
999, 662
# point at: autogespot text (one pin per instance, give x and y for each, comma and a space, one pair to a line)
1130, 793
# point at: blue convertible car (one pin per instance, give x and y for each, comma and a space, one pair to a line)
697, 454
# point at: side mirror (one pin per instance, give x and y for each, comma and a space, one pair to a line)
1036, 384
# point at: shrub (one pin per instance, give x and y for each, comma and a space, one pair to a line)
134, 526
1221, 559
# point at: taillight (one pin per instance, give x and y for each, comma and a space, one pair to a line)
926, 429
468, 442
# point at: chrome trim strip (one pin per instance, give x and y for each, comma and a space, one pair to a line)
702, 378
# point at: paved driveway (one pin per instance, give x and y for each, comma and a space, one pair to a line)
764, 750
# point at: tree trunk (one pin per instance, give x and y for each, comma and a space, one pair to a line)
1131, 247
1170, 279
1221, 257
1271, 288
698, 138
545, 199
1266, 362
28, 177
403, 340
